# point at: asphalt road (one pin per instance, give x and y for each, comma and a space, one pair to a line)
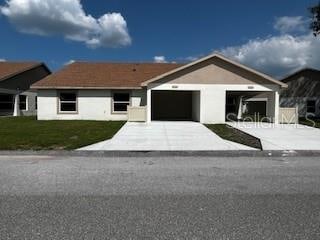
46, 197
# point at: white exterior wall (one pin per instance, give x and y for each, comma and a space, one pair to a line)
148, 105
273, 106
92, 105
213, 98
196, 103
210, 100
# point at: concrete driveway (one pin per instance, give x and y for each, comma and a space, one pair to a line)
282, 136
165, 136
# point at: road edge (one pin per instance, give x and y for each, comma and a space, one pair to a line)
240, 153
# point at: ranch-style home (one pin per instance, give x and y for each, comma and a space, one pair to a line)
208, 90
16, 98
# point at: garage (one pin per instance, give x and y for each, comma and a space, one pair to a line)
175, 106
247, 105
256, 107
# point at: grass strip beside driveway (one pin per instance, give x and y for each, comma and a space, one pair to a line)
310, 122
26, 133
231, 134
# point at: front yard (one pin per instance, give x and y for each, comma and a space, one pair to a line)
310, 122
231, 134
26, 133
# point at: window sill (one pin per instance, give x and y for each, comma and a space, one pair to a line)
70, 113
120, 113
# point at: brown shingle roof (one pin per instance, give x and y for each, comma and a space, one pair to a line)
104, 75
10, 69
303, 71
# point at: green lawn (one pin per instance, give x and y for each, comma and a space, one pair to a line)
26, 133
310, 122
229, 133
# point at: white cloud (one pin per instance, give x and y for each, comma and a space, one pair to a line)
192, 58
291, 24
160, 59
2, 60
69, 62
67, 18
278, 55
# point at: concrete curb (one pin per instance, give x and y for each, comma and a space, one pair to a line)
164, 153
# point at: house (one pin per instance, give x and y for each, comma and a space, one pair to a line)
303, 92
207, 90
16, 98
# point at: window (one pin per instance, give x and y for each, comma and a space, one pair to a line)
68, 102
121, 101
6, 102
311, 106
23, 102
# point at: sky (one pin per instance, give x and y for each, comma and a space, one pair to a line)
271, 36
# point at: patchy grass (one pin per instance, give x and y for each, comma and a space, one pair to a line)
229, 133
26, 133
310, 122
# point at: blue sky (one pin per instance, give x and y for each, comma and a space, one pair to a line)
175, 31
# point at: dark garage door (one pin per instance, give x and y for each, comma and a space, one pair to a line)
257, 107
171, 105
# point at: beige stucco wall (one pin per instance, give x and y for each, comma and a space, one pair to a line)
92, 105
214, 71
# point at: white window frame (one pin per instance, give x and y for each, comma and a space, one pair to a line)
121, 102
61, 102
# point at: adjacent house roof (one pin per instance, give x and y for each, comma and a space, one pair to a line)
104, 75
304, 83
299, 73
215, 55
10, 69
125, 75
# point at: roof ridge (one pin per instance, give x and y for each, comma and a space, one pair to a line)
223, 58
133, 63
101, 75
299, 71
22, 70
20, 62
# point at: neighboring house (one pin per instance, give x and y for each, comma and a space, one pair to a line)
303, 92
16, 98
206, 91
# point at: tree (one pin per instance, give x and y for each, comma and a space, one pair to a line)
315, 24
